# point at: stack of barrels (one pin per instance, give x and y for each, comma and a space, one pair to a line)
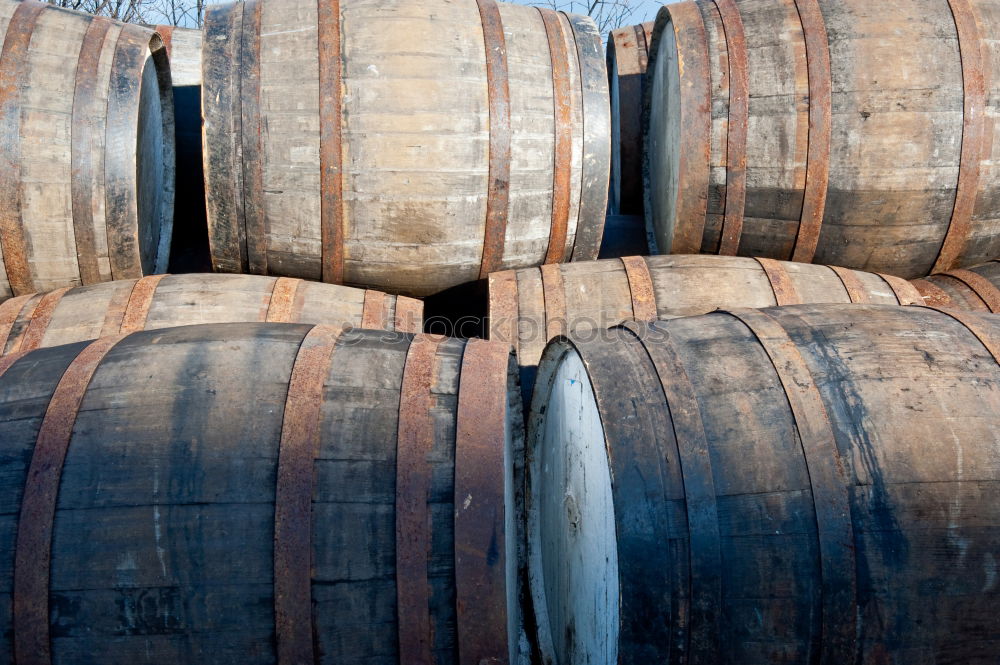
491, 344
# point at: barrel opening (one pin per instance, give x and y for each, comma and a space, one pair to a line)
663, 135
155, 159
572, 544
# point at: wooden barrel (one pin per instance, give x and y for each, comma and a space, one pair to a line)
87, 154
529, 307
75, 315
189, 250
976, 289
627, 56
810, 484
841, 132
258, 494
404, 145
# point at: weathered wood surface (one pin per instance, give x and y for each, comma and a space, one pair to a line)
792, 485
417, 123
186, 460
76, 315
627, 57
976, 289
589, 297
87, 152
896, 174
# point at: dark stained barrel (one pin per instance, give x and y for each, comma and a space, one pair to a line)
258, 494
86, 149
168, 301
528, 307
627, 56
976, 289
403, 145
846, 133
808, 484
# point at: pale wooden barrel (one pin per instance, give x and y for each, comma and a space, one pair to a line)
976, 289
87, 149
262, 494
405, 145
808, 484
847, 133
628, 57
168, 301
528, 307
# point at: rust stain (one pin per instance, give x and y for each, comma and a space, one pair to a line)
504, 309
14, 243
640, 284
299, 445
33, 548
981, 286
498, 86
409, 315
139, 302
331, 148
970, 48
906, 293
480, 560
280, 307
373, 315
87, 141
413, 481
820, 129
563, 147
40, 319
739, 119
932, 294
781, 282
855, 289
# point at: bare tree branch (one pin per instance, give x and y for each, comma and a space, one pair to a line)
607, 14
186, 13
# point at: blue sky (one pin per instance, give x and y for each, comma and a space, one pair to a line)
642, 10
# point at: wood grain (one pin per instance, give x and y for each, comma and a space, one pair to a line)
184, 561
78, 314
869, 139
415, 166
